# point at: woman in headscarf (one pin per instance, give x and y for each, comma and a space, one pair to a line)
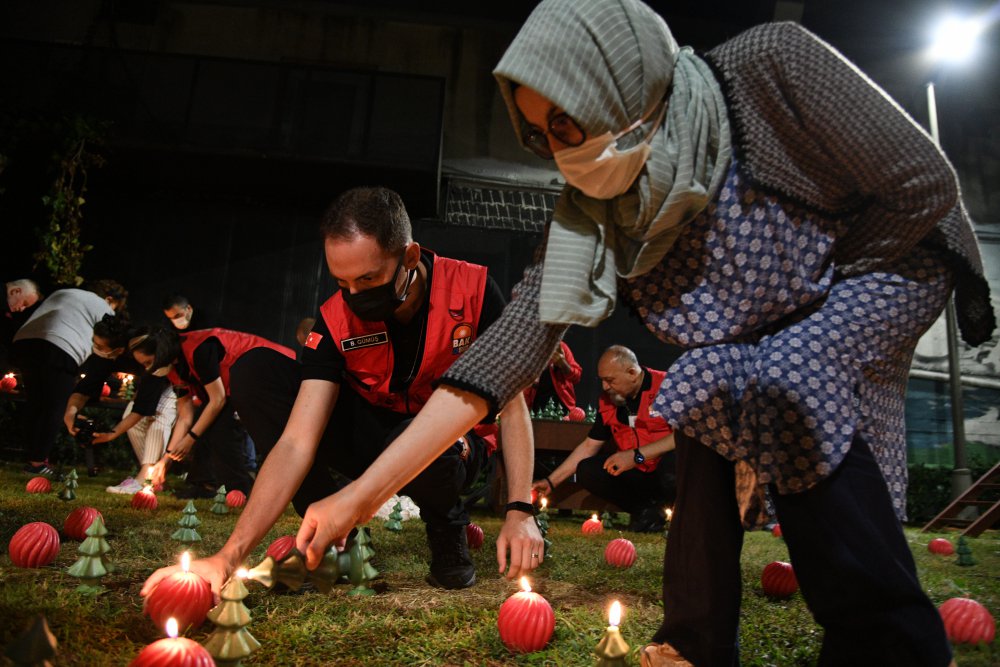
772, 211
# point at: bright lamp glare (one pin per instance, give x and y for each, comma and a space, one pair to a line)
955, 39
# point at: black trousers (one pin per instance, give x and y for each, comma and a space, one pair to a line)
264, 384
49, 376
219, 455
632, 490
850, 555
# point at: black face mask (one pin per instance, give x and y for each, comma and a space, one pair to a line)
378, 303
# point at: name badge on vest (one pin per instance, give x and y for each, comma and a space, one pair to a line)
368, 340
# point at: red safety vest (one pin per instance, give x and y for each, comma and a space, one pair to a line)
454, 306
647, 428
236, 344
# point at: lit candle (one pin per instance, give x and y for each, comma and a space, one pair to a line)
183, 595
8, 383
145, 499
592, 526
526, 620
612, 649
174, 651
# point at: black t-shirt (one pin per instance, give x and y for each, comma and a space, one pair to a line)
326, 361
545, 390
601, 431
148, 388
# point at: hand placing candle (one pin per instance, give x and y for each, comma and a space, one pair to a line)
526, 620
182, 595
612, 649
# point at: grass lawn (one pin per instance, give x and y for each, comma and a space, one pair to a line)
412, 624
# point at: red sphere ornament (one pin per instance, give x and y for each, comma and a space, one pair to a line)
236, 499
34, 545
776, 531
967, 622
281, 547
526, 621
78, 521
592, 526
940, 546
183, 595
474, 535
105, 390
778, 580
8, 383
144, 500
534, 496
173, 651
38, 485
575, 414
620, 553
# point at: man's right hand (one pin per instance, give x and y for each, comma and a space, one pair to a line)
542, 487
216, 570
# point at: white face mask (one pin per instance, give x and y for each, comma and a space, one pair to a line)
102, 354
162, 371
598, 169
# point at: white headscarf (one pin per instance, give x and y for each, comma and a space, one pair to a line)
608, 63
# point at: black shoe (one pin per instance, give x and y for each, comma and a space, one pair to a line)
41, 469
649, 520
451, 565
191, 491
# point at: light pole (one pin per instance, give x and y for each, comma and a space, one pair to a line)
954, 41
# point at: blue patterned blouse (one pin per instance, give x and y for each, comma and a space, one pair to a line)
786, 360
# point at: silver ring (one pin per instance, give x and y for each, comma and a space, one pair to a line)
534, 555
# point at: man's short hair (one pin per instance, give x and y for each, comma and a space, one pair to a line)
175, 299
622, 356
375, 212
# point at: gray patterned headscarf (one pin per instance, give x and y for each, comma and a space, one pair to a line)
608, 63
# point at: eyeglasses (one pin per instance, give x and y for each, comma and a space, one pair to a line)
561, 126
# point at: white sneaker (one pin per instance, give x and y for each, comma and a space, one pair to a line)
129, 486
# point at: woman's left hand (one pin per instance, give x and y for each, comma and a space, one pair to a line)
521, 538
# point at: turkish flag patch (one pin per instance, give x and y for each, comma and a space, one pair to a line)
313, 339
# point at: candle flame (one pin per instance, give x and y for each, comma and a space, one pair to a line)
185, 561
242, 573
670, 513
615, 614
593, 518
172, 627
545, 503
525, 585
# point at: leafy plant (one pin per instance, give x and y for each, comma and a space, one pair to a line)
62, 250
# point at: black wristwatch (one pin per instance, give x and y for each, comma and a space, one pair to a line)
639, 458
520, 506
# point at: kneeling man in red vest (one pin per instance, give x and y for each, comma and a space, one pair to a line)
401, 317
640, 476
